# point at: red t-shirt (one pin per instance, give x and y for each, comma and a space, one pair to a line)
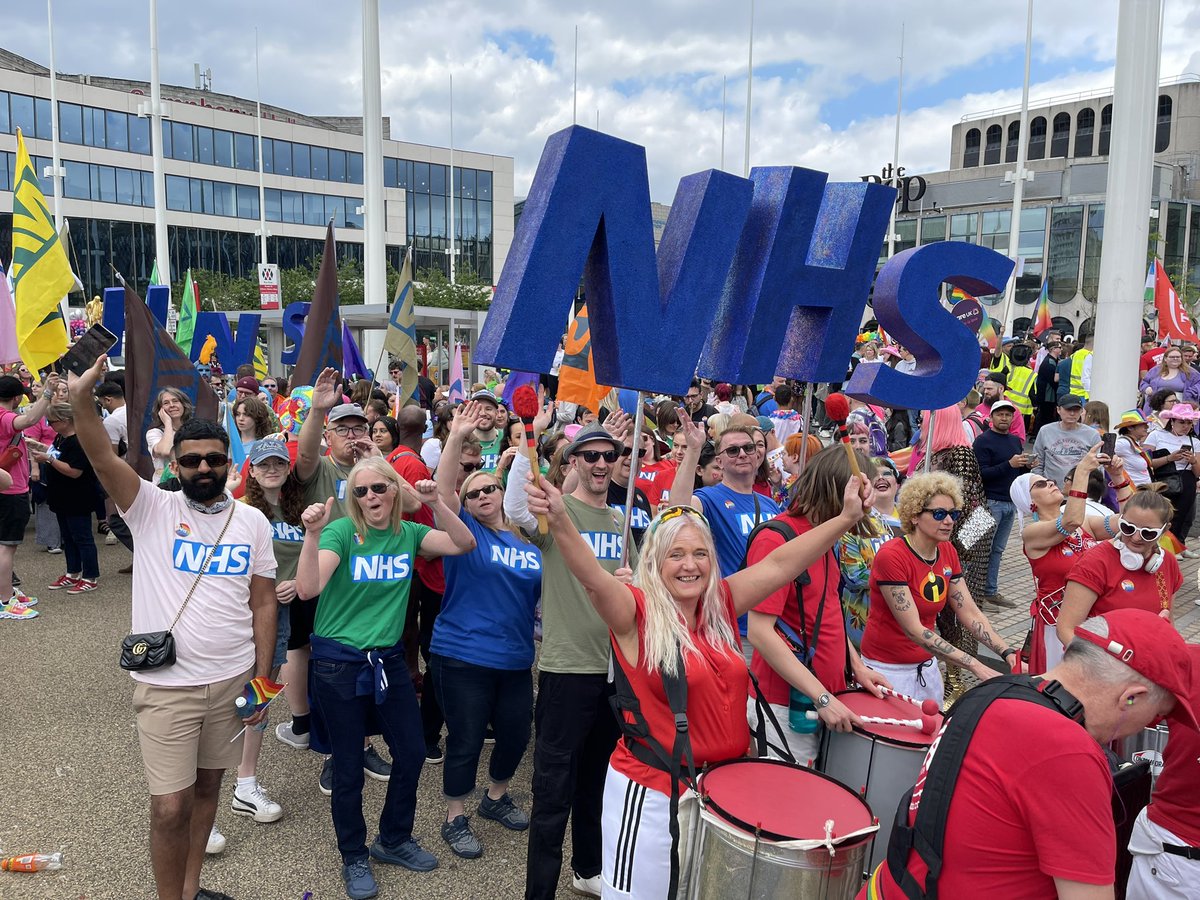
1100, 570
412, 468
897, 563
1151, 359
655, 480
1031, 804
717, 684
829, 663
1176, 801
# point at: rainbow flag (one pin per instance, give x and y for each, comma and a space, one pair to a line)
957, 293
261, 690
1170, 543
1043, 322
987, 331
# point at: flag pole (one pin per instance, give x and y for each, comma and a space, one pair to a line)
749, 87
631, 488
1018, 178
805, 425
891, 240
56, 168
162, 248
262, 190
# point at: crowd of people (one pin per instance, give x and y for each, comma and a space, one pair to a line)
421, 581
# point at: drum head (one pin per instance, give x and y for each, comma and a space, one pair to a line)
864, 703
784, 801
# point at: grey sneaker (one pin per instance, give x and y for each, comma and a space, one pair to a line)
408, 854
998, 599
284, 732
462, 842
326, 781
503, 811
374, 766
359, 881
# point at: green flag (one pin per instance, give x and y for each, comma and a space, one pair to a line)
154, 274
188, 307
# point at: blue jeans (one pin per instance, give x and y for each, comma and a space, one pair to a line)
345, 716
1003, 512
79, 545
473, 697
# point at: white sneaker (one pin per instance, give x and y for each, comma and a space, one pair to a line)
1190, 554
257, 804
283, 731
216, 842
589, 887
110, 540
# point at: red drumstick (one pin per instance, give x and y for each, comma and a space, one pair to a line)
837, 407
525, 405
928, 707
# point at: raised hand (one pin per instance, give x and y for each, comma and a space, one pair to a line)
466, 418
50, 385
81, 387
316, 516
544, 498
693, 432
326, 393
619, 424
423, 492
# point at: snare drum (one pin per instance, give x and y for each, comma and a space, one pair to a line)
768, 828
1148, 744
881, 762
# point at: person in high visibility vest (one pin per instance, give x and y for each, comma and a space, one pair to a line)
1081, 369
1000, 362
1021, 382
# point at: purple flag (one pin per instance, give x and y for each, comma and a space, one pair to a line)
352, 361
516, 380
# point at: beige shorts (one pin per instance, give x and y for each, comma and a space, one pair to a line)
182, 729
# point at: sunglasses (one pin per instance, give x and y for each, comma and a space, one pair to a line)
486, 489
379, 487
591, 457
270, 386
628, 451
193, 460
1040, 483
1147, 534
738, 450
939, 514
471, 467
674, 512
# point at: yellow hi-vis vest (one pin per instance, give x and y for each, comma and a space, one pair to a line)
1077, 362
1020, 383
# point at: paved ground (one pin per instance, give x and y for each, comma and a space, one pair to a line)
73, 779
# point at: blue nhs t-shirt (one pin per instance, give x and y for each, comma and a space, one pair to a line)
488, 608
732, 517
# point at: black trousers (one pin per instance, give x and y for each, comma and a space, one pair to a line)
424, 604
576, 734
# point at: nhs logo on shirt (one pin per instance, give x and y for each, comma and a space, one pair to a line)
381, 567
639, 520
490, 461
282, 531
513, 558
746, 521
227, 559
604, 544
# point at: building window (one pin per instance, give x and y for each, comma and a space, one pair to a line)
204, 145
243, 152
995, 230
906, 234
1066, 231
77, 184
42, 125
354, 162
1105, 130
301, 167
991, 151
314, 209
1030, 247
139, 135
1060, 139
223, 148
1193, 245
320, 163
1162, 131
483, 182
933, 229
1173, 255
337, 165
268, 156
283, 157
70, 123
22, 115
390, 178
1014, 138
179, 196
971, 149
181, 142
1085, 125
965, 227
5, 125
1093, 243
1037, 138
247, 202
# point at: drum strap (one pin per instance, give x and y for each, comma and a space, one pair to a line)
762, 743
927, 835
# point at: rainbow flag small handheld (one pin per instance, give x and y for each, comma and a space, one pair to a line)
261, 690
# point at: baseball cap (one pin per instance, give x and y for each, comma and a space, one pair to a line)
1003, 404
247, 383
1151, 646
10, 387
1071, 401
766, 424
485, 395
588, 434
346, 411
268, 448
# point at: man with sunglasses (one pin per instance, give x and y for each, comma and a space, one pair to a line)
576, 731
205, 570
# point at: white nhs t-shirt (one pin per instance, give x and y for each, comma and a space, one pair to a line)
214, 639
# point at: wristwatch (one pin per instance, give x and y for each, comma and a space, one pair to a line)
823, 701
1007, 651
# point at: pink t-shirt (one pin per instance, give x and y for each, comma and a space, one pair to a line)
19, 470
214, 639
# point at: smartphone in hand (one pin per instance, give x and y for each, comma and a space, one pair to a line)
1108, 444
95, 342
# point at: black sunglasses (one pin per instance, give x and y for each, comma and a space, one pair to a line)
628, 451
594, 456
486, 489
940, 514
471, 467
379, 487
737, 450
193, 460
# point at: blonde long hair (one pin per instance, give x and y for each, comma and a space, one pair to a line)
665, 627
376, 465
505, 523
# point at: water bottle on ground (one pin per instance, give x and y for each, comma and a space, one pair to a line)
32, 862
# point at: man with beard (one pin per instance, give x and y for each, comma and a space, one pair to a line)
490, 431
224, 627
694, 402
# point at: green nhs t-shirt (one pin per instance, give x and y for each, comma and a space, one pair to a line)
365, 601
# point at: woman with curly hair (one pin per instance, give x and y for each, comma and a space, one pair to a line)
911, 581
253, 421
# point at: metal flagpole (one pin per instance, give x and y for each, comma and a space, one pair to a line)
631, 488
575, 82
896, 148
262, 192
723, 80
374, 217
805, 426
929, 442
1018, 178
56, 169
749, 87
452, 216
162, 249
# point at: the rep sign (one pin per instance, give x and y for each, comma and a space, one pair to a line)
268, 286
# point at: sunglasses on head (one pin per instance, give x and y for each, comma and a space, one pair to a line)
486, 489
628, 451
591, 457
1128, 529
939, 513
471, 467
379, 487
738, 450
193, 460
674, 512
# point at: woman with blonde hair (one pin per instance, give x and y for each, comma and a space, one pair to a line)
678, 613
362, 566
481, 653
911, 581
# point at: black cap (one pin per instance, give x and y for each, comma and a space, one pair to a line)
10, 387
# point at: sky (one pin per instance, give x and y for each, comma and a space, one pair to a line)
652, 72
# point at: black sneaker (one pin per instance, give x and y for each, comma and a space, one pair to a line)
326, 781
374, 766
489, 736
503, 811
462, 842
203, 894
434, 755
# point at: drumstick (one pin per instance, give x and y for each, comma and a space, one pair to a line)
525, 404
926, 724
928, 707
837, 408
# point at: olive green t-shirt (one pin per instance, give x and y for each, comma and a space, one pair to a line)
329, 480
574, 637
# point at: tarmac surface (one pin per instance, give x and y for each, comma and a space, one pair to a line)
72, 780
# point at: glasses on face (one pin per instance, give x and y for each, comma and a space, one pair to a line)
270, 386
193, 460
591, 457
1150, 535
350, 430
939, 513
1040, 483
471, 467
738, 450
692, 398
628, 451
379, 487
486, 489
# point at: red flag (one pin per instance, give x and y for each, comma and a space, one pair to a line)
1173, 319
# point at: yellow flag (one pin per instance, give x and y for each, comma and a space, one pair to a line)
260, 363
401, 339
40, 271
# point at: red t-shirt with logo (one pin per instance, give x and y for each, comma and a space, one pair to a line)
412, 468
897, 563
1151, 359
1176, 801
1100, 570
829, 663
1031, 804
656, 479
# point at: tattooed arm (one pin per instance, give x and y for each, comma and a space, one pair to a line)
900, 602
973, 619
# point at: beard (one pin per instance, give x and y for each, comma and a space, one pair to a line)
202, 488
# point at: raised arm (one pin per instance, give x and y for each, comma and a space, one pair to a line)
466, 419
685, 475
38, 410
120, 482
1044, 534
325, 396
454, 538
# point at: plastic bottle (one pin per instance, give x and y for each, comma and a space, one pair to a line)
799, 707
244, 709
32, 862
